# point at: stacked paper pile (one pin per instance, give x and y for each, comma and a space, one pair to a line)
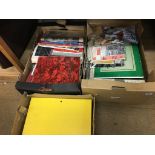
57, 59
50, 45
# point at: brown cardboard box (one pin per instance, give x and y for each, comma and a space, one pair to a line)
25, 99
24, 105
113, 91
123, 108
72, 88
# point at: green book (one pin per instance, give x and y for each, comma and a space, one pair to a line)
132, 67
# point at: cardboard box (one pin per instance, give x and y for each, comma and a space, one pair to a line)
121, 92
71, 88
23, 106
123, 108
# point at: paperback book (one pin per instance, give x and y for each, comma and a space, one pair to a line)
132, 67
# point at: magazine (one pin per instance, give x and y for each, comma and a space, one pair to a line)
107, 54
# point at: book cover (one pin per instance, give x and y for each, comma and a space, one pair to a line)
132, 67
107, 54
55, 69
56, 116
43, 50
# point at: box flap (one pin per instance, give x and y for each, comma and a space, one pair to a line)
62, 96
114, 22
20, 115
119, 92
116, 85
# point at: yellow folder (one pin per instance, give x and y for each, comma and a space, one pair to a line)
56, 116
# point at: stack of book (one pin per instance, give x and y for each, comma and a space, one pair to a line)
115, 55
53, 44
57, 59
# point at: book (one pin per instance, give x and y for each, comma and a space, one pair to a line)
120, 34
107, 54
61, 43
44, 50
112, 35
58, 116
55, 70
132, 67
